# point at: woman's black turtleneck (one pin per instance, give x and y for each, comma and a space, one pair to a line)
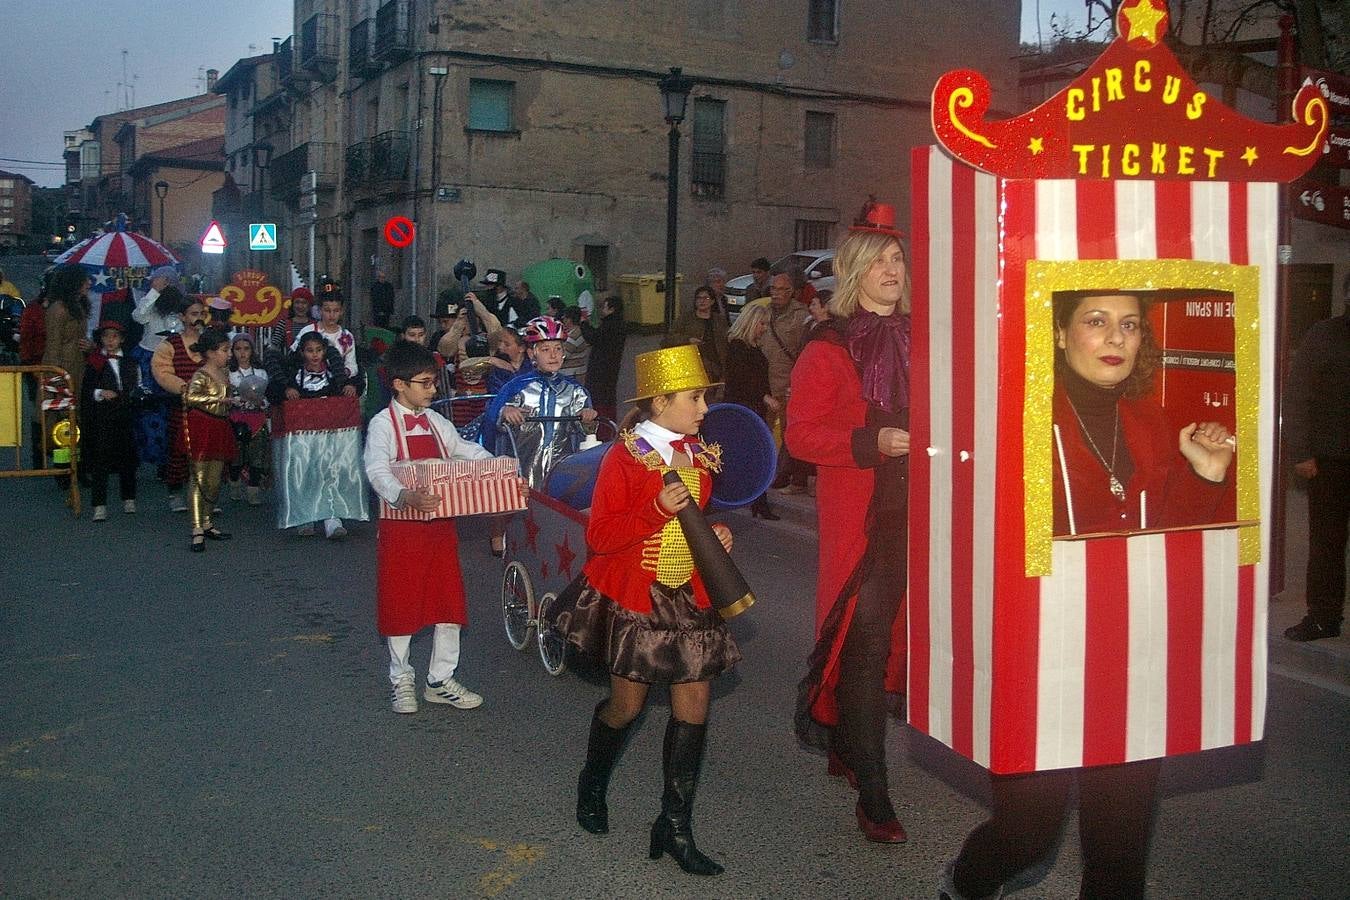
1096, 408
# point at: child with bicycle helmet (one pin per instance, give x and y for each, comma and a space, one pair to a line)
542, 410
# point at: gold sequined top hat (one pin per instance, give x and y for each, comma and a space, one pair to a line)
669, 371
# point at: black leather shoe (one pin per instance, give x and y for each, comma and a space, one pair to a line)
1311, 630
216, 534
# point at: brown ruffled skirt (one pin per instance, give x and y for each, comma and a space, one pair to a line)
676, 643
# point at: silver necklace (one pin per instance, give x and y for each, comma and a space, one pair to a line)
1117, 488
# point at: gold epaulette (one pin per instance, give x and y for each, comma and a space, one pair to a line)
710, 457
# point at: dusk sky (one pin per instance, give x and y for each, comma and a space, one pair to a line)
63, 62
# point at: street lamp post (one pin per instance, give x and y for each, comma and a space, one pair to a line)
675, 89
161, 191
262, 158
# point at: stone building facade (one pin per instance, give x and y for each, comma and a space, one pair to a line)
512, 132
99, 157
16, 210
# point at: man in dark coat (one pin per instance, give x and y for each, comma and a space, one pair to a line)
1317, 432
381, 300
606, 340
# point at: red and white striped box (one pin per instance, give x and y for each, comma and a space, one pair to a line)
467, 487
1132, 646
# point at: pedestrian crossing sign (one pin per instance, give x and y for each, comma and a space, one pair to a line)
262, 236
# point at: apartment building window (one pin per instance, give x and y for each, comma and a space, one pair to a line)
491, 105
6, 202
811, 234
708, 176
822, 21
819, 139
7, 184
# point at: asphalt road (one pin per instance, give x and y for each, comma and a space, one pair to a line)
217, 725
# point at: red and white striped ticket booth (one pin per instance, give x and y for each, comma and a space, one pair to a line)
1028, 652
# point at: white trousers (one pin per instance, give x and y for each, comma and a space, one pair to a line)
444, 655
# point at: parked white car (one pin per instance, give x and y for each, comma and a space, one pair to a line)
817, 265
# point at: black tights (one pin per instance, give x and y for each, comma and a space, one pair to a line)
1115, 819
860, 737
688, 701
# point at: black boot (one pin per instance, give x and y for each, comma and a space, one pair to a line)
672, 832
602, 751
760, 509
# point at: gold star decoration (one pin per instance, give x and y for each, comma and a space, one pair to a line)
1144, 18
1250, 156
1037, 146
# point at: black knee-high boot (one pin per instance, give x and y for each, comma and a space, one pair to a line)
672, 832
602, 751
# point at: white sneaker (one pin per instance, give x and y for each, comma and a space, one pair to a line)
333, 529
129, 507
176, 503
405, 697
452, 692
100, 513
306, 530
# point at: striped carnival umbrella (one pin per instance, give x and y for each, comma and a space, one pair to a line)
118, 258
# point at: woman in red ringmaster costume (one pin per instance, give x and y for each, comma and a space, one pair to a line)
848, 412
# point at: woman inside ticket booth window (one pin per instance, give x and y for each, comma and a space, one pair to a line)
1118, 464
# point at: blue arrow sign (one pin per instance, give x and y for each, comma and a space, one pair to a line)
262, 236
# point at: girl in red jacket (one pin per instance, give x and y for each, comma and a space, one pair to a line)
640, 605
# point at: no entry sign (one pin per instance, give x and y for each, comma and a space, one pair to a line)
399, 231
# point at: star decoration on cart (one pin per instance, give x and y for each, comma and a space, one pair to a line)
532, 533
565, 556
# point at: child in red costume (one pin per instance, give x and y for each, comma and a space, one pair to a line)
417, 563
640, 606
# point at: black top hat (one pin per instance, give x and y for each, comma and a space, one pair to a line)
494, 278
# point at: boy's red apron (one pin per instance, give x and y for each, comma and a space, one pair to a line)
419, 581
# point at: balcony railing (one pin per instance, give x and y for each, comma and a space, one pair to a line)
355, 164
287, 71
393, 30
319, 45
361, 61
287, 171
389, 155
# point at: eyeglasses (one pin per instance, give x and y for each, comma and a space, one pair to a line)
424, 382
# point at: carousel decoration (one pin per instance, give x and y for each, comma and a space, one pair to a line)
119, 258
1029, 650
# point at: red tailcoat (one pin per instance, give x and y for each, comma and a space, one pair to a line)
1174, 494
828, 425
625, 521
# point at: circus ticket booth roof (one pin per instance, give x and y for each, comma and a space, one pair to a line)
1033, 650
